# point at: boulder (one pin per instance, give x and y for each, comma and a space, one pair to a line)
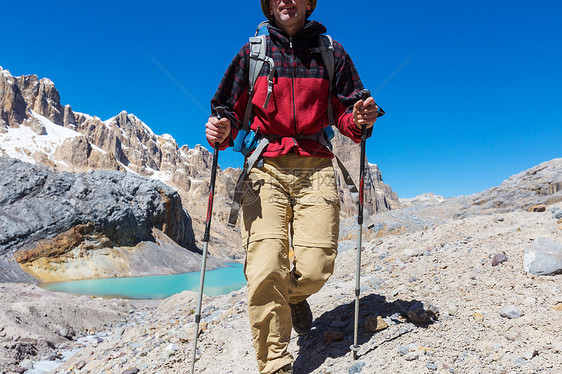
543, 257
121, 209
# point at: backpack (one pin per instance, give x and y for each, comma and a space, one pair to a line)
248, 141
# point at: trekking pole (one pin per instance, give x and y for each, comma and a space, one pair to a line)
355, 347
220, 114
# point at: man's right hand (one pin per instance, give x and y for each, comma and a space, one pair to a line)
217, 130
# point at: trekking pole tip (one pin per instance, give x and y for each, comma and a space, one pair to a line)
355, 350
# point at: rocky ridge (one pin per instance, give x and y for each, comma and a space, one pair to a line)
538, 185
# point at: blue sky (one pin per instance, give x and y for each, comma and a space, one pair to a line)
472, 90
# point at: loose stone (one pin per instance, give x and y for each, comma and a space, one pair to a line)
423, 313
530, 353
452, 309
374, 324
478, 317
356, 367
543, 257
403, 350
511, 312
499, 258
333, 336
411, 356
431, 366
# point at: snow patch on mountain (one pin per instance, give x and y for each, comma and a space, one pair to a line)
22, 142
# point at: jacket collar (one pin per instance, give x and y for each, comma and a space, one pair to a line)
310, 30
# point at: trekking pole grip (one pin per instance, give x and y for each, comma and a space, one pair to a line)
220, 114
365, 94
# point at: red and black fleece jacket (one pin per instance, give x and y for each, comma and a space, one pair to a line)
299, 103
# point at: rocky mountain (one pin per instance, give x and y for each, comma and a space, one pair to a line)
35, 127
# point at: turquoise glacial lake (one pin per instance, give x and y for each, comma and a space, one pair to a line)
219, 281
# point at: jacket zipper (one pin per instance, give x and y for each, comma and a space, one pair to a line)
293, 88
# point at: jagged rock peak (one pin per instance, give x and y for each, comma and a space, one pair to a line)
13, 107
128, 121
168, 137
5, 72
47, 82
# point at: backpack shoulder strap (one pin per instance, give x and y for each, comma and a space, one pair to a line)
258, 57
258, 50
326, 50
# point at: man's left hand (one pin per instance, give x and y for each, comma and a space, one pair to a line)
365, 113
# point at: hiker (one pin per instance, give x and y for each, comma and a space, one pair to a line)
290, 199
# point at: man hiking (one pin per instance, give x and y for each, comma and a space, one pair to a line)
290, 199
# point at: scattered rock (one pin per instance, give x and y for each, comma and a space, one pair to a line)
403, 350
374, 324
93, 366
499, 258
185, 335
478, 317
431, 366
170, 350
131, 371
543, 257
511, 312
530, 353
557, 307
452, 309
423, 313
408, 253
514, 334
65, 332
356, 368
80, 364
333, 336
411, 356
537, 208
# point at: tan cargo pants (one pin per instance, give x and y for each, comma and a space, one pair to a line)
290, 203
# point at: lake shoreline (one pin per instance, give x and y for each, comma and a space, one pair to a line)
219, 280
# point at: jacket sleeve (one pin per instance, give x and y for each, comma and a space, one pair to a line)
232, 93
347, 89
